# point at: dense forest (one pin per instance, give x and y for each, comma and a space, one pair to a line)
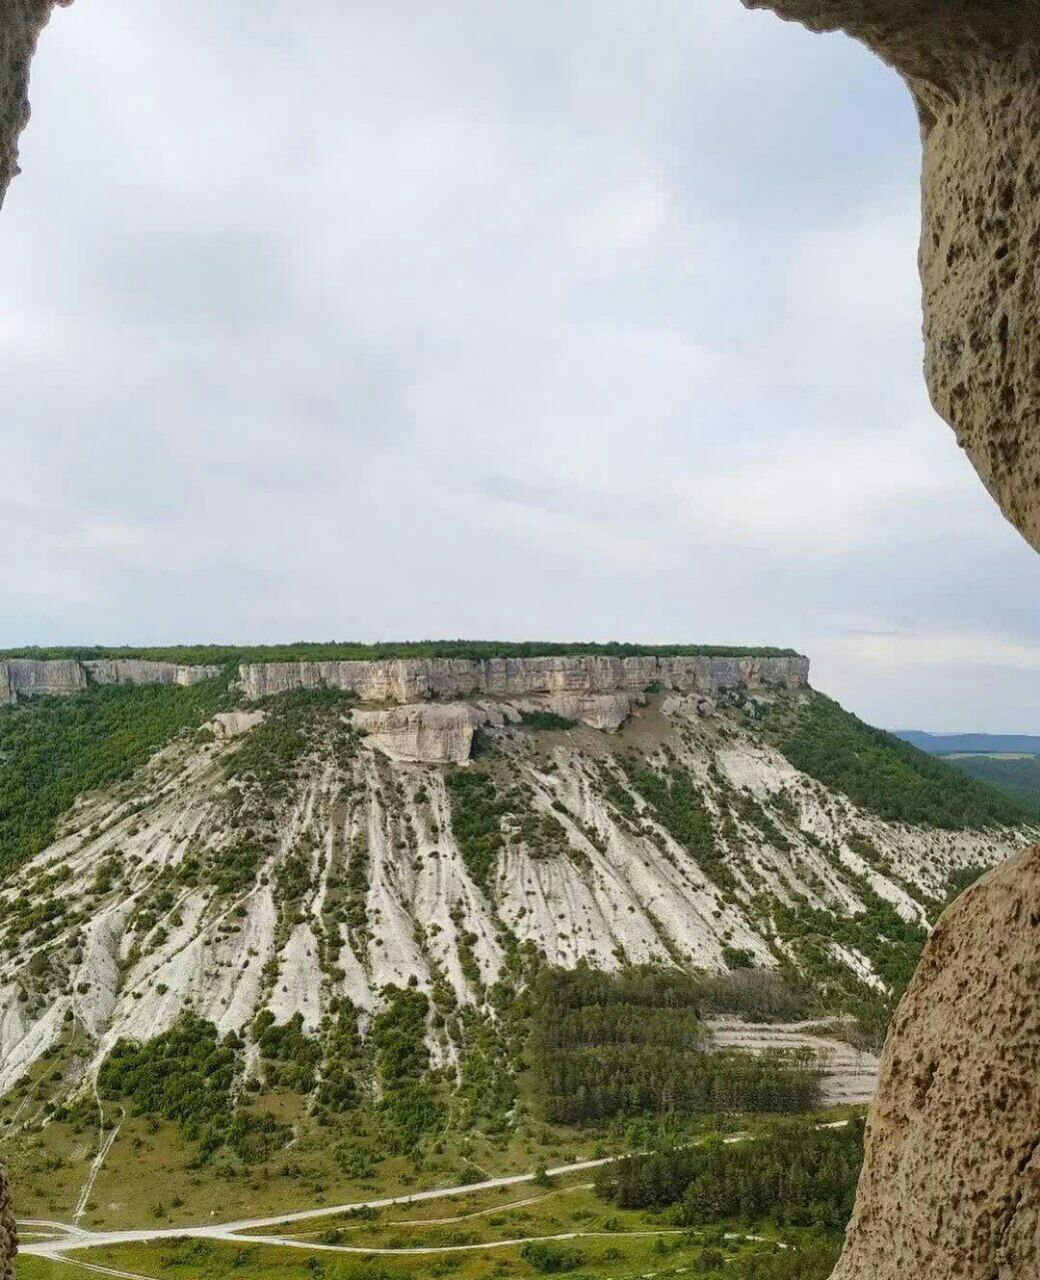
1018, 778
881, 772
331, 651
628, 1044
52, 749
798, 1174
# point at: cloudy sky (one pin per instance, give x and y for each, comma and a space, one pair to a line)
581, 320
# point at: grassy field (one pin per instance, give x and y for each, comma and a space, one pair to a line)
614, 1256
151, 1176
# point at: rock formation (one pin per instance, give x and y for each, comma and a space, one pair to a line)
428, 732
62, 677
442, 732
8, 1233
21, 22
414, 680
951, 1183
973, 67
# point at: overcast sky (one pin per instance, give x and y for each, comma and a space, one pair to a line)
580, 320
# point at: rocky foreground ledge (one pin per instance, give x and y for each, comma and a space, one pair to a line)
951, 1183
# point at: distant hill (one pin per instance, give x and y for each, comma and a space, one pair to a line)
948, 744
985, 757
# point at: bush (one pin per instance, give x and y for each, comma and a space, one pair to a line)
550, 1257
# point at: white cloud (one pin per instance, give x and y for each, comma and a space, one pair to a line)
592, 321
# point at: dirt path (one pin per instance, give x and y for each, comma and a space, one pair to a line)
253, 1230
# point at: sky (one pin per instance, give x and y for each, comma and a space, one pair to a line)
595, 320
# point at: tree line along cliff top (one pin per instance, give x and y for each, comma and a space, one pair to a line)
346, 651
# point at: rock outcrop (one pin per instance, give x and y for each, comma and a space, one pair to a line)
415, 680
21, 22
27, 678
973, 67
443, 732
64, 677
428, 732
8, 1233
951, 1183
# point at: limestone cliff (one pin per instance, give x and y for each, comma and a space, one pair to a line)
432, 733
55, 678
415, 680
973, 67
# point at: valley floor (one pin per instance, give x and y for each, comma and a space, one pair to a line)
516, 1225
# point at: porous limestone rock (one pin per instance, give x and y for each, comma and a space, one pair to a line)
973, 67
21, 22
8, 1233
951, 1183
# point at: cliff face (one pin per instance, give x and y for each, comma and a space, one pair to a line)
413, 681
29, 677
973, 67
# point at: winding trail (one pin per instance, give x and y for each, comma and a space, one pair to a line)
73, 1237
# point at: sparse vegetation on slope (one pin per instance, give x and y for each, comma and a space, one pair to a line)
476, 818
53, 749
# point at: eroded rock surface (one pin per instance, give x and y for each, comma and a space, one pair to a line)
21, 22
951, 1183
8, 1234
406, 680
64, 677
973, 67
425, 732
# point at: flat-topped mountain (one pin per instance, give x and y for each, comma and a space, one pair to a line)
291, 850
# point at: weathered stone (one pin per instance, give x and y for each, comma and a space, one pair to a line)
21, 22
973, 67
604, 711
233, 724
63, 677
425, 732
401, 680
951, 1183
140, 671
8, 1232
